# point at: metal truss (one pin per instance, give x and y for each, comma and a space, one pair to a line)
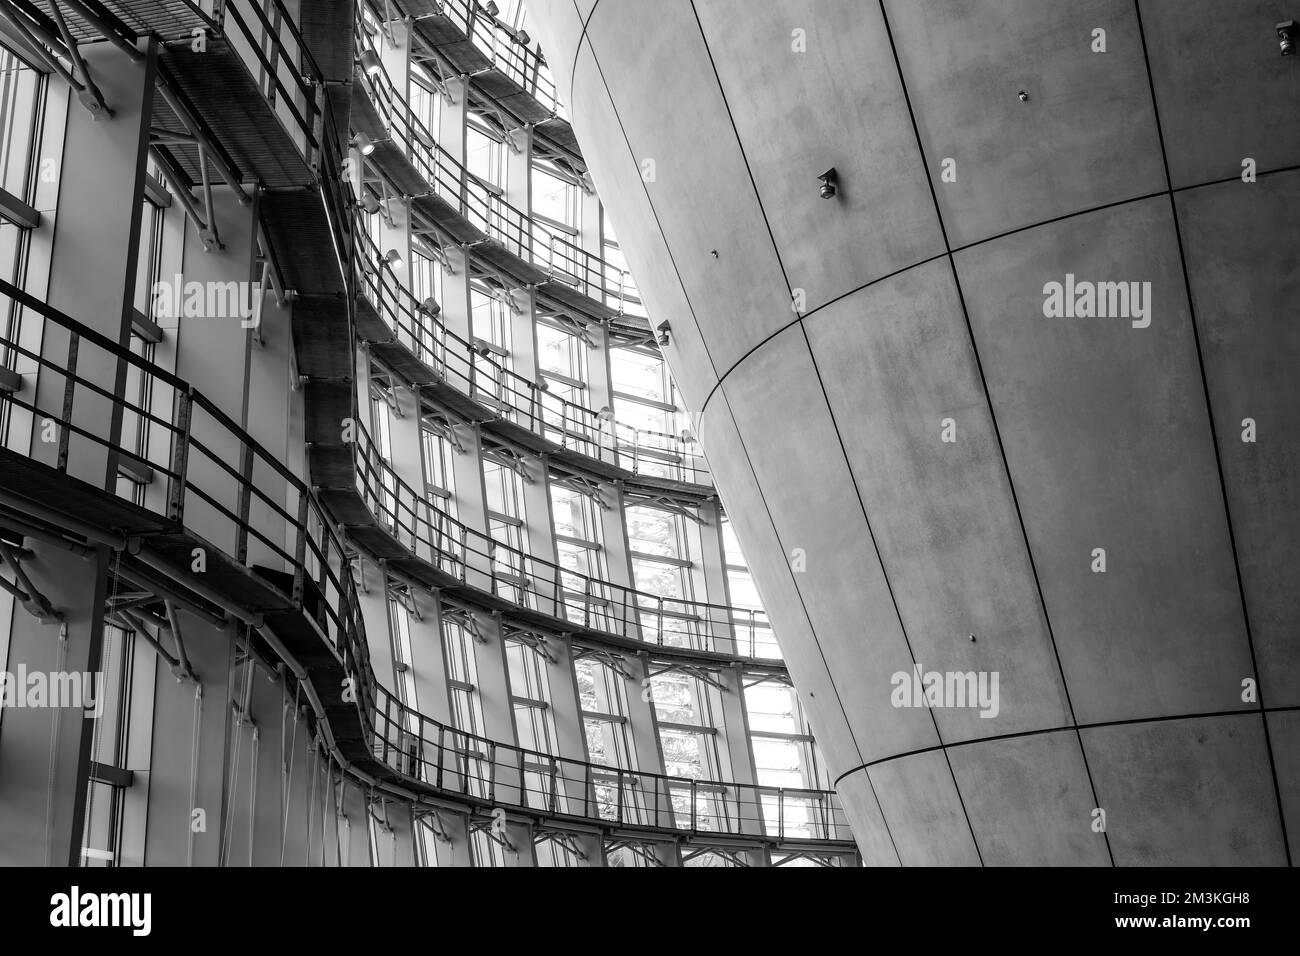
33, 601
533, 638
731, 856
139, 611
667, 502
52, 39
639, 849
559, 837
690, 670
488, 827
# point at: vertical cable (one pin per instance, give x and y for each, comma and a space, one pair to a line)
55, 726
194, 770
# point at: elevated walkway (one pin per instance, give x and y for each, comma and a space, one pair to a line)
306, 610
508, 81
502, 242
413, 344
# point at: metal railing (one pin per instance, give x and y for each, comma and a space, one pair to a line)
215, 477
479, 203
434, 536
521, 64
483, 377
495, 773
267, 38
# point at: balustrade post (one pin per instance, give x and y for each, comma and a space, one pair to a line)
69, 391
441, 755
555, 786
245, 502
180, 456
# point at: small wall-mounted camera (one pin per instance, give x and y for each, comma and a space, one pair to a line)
1286, 33
829, 181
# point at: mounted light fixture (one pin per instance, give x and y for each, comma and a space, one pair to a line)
542, 384
663, 329
1286, 36
491, 9
431, 307
829, 180
605, 415
522, 37
371, 63
391, 258
364, 144
369, 204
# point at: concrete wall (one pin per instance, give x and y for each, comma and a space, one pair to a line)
924, 468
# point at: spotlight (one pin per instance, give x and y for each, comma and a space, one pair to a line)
1286, 37
430, 307
491, 9
542, 384
605, 415
392, 258
663, 329
371, 63
364, 144
522, 37
369, 204
829, 181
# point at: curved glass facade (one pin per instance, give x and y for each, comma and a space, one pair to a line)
355, 484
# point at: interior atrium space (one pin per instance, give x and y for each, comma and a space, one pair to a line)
605, 433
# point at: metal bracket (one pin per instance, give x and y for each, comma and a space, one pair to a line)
33, 601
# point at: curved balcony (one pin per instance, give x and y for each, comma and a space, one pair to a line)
422, 542
505, 75
454, 206
302, 603
407, 336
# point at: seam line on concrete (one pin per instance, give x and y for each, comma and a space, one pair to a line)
649, 201
973, 245
577, 52
988, 399
1214, 437
830, 412
686, 296
1065, 728
812, 630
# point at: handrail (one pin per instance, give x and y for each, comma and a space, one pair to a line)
296, 94
435, 536
292, 83
515, 398
191, 443
522, 65
522, 235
